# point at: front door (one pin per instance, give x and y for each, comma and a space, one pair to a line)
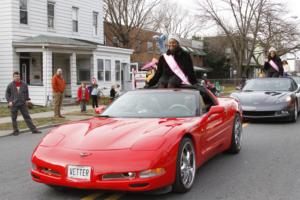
25, 70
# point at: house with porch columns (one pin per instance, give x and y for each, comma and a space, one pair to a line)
39, 36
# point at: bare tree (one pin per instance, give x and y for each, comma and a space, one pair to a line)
170, 18
278, 30
128, 17
240, 22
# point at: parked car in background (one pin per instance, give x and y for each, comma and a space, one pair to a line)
269, 98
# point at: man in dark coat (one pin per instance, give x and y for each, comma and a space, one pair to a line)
273, 66
164, 76
17, 97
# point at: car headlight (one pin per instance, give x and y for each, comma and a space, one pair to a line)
287, 99
152, 173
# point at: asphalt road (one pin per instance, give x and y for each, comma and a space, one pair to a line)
267, 168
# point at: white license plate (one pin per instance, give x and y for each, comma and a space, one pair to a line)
79, 172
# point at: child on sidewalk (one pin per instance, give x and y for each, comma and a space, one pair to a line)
83, 96
95, 94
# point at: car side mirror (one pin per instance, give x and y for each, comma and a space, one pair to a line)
216, 110
100, 109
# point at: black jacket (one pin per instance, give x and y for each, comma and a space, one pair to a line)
269, 68
17, 98
112, 93
184, 61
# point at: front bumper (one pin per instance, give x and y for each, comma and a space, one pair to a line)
282, 114
136, 184
102, 164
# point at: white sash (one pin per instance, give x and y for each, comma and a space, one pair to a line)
273, 64
176, 69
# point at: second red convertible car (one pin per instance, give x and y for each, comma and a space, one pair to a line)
147, 139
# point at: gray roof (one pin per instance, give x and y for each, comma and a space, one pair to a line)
55, 41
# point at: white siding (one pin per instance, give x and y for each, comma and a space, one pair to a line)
73, 75
38, 21
6, 50
47, 76
112, 54
36, 93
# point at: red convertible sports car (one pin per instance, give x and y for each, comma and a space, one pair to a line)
145, 140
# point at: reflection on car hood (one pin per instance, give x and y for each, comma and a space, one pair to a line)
259, 98
114, 133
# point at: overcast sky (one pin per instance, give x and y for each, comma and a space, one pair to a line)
293, 7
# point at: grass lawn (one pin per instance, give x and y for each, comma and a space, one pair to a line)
229, 89
90, 112
37, 122
5, 111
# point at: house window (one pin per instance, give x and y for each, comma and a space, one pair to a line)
84, 75
138, 46
75, 19
95, 22
107, 70
100, 69
150, 46
50, 8
118, 70
115, 41
105, 39
23, 12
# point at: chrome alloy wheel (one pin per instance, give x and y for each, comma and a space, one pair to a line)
238, 129
187, 165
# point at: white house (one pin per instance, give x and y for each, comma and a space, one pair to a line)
39, 36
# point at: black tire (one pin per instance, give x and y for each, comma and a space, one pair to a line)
236, 137
185, 167
294, 115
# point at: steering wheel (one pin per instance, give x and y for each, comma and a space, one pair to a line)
180, 109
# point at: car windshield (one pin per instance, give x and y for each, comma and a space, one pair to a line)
297, 79
154, 104
269, 84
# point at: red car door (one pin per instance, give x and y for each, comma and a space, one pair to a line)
214, 136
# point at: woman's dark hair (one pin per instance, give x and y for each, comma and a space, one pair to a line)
269, 56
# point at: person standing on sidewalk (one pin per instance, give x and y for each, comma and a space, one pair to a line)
83, 96
95, 94
17, 97
58, 88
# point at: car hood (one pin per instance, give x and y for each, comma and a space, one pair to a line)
259, 98
113, 133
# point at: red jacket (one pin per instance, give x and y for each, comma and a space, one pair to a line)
79, 94
58, 84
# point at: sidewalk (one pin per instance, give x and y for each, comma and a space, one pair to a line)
65, 112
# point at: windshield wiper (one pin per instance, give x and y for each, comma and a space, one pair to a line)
248, 90
106, 116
